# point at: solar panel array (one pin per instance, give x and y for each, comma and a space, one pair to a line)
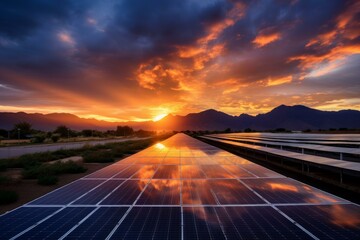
184, 189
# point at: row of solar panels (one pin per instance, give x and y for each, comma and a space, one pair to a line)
184, 189
341, 153
260, 222
336, 165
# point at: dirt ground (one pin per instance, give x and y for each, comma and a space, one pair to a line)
29, 190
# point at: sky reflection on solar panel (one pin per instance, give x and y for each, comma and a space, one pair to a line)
184, 189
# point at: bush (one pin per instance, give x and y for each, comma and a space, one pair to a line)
68, 167
47, 180
32, 172
39, 138
55, 138
52, 169
4, 179
34, 159
7, 197
98, 157
64, 153
118, 152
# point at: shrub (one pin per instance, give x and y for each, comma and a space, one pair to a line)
39, 138
64, 153
47, 180
28, 160
55, 138
118, 151
98, 157
68, 167
7, 197
52, 169
32, 172
4, 179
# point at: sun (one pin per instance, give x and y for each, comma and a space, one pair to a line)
159, 117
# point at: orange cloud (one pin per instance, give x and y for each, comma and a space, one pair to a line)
183, 68
204, 51
323, 39
342, 28
262, 40
346, 17
279, 81
319, 65
234, 15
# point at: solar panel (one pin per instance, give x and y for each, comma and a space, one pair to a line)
126, 194
188, 161
167, 172
215, 171
99, 224
150, 223
335, 221
238, 223
68, 193
285, 190
192, 171
184, 189
108, 171
100, 193
231, 191
161, 192
237, 171
197, 192
22, 218
260, 171
57, 225
128, 172
145, 172
149, 160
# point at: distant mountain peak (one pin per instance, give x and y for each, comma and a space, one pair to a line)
284, 107
211, 113
297, 117
210, 110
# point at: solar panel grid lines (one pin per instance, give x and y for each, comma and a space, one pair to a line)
58, 224
108, 172
127, 212
287, 217
294, 222
98, 225
318, 218
95, 196
352, 166
297, 145
181, 197
13, 225
69, 193
79, 223
155, 199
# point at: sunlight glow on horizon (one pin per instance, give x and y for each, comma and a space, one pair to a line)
159, 117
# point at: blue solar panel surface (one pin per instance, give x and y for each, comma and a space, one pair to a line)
184, 189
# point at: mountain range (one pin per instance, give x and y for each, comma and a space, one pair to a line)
296, 117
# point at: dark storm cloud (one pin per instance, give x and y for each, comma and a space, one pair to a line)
19, 18
95, 49
295, 23
169, 22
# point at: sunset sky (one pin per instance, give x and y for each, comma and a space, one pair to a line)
141, 59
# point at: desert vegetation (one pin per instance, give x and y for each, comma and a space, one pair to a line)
23, 133
47, 168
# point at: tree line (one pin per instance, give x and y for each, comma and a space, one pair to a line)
24, 130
